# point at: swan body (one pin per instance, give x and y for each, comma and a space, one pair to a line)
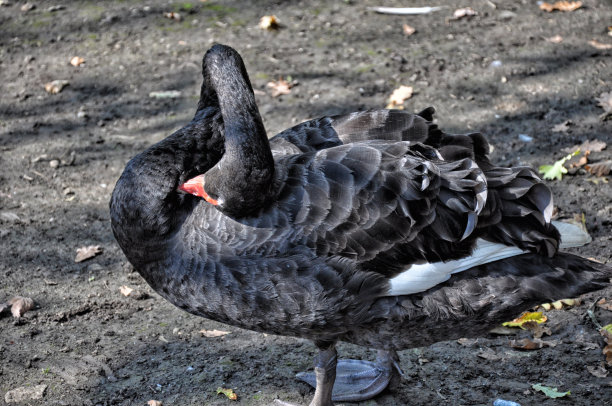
375, 228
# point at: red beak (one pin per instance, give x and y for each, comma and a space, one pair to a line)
195, 186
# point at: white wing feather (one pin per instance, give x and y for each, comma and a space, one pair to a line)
420, 277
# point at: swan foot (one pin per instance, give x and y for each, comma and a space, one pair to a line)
358, 380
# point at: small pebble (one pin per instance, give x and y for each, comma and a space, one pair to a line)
502, 402
525, 138
54, 163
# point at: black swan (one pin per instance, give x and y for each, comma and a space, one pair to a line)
374, 228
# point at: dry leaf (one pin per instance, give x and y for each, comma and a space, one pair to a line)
280, 87
590, 146
408, 30
560, 304
529, 345
467, 342
604, 304
228, 392
561, 6
269, 23
464, 12
555, 39
598, 371
489, 354
538, 330
154, 403
606, 332
132, 293
398, 97
88, 252
563, 127
600, 168
173, 16
213, 333
599, 45
56, 86
537, 317
20, 305
77, 61
580, 161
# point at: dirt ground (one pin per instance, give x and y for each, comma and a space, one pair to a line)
498, 72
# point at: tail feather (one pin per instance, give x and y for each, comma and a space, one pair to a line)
470, 303
501, 289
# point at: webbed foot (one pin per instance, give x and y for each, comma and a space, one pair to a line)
358, 380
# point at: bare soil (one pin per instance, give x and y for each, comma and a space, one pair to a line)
62, 153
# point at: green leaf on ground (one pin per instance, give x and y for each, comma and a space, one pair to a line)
550, 392
556, 170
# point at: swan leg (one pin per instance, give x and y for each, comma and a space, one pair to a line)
322, 379
358, 380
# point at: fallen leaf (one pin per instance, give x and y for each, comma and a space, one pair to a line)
173, 16
598, 371
56, 86
530, 345
280, 87
88, 252
537, 317
550, 392
599, 45
537, 329
408, 30
555, 39
489, 354
77, 61
560, 304
464, 12
398, 97
213, 333
563, 127
606, 332
556, 170
581, 161
561, 6
228, 392
604, 304
20, 305
269, 23
590, 146
154, 403
600, 168
467, 342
